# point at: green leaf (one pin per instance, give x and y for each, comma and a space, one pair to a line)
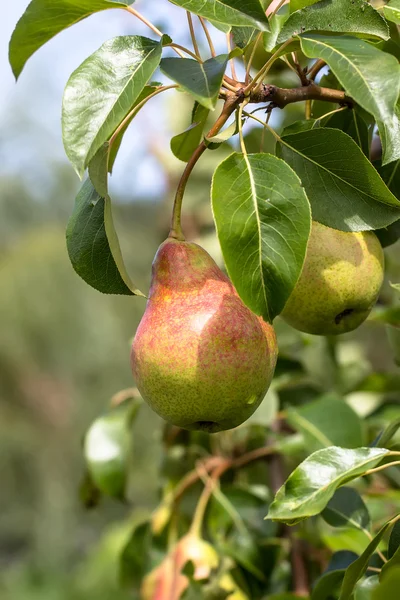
229, 12
299, 4
263, 223
389, 588
243, 36
392, 11
202, 80
388, 433
332, 578
43, 19
184, 144
107, 448
344, 189
347, 509
102, 91
93, 245
223, 136
328, 421
391, 176
134, 560
270, 38
313, 483
394, 540
389, 132
368, 75
358, 568
243, 549
351, 122
340, 16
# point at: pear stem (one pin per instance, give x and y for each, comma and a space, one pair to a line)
230, 106
208, 490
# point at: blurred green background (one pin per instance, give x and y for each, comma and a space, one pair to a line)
64, 348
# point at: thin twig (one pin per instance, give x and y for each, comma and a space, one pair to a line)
257, 81
192, 34
136, 109
251, 58
229, 39
208, 36
315, 69
139, 16
192, 54
299, 69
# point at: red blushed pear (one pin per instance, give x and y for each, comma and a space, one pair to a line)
167, 582
200, 357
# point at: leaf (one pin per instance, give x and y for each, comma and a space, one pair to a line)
223, 136
107, 448
263, 223
43, 19
270, 38
393, 333
134, 559
202, 80
328, 421
351, 122
347, 509
394, 540
392, 11
243, 36
229, 12
357, 569
368, 75
389, 588
389, 132
299, 4
343, 187
313, 483
242, 548
102, 91
93, 245
184, 144
332, 578
340, 16
391, 176
387, 434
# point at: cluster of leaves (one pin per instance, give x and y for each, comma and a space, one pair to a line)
263, 205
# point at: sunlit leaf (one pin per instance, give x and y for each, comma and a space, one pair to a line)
43, 19
339, 16
343, 187
201, 80
368, 75
229, 12
263, 224
102, 91
392, 11
313, 483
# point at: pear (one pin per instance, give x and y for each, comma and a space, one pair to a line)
339, 284
168, 581
200, 358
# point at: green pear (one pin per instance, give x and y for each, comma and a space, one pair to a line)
200, 357
339, 284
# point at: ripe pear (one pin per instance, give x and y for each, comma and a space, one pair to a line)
339, 284
168, 581
200, 358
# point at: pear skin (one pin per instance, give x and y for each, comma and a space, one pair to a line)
200, 358
339, 284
